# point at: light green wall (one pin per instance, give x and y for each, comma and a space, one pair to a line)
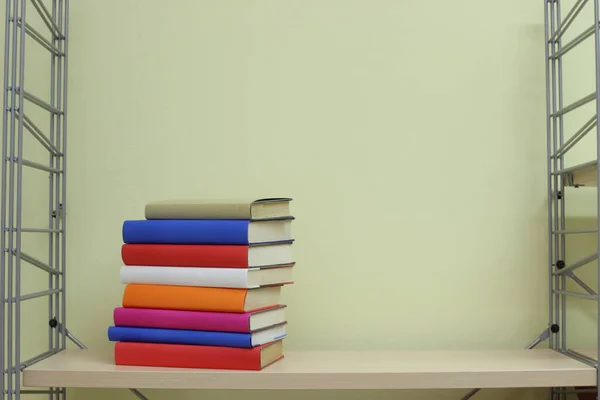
410, 133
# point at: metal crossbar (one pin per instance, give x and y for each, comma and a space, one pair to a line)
582, 284
577, 136
569, 18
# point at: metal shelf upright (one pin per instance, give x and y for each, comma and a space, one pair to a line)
17, 122
560, 177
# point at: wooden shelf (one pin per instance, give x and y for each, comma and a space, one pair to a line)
585, 174
328, 370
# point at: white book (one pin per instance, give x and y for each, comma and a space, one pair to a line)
243, 278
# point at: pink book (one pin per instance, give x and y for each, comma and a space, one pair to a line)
199, 320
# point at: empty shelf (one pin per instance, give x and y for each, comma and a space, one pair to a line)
328, 370
585, 174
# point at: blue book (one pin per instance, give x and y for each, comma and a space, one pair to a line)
207, 231
198, 338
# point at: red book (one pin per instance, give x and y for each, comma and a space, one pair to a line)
201, 357
225, 256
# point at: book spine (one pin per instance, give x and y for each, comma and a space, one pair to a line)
177, 276
176, 319
177, 210
226, 232
186, 356
182, 255
188, 298
178, 336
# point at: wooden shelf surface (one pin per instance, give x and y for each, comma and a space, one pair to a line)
328, 370
585, 174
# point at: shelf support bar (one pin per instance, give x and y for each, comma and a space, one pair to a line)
138, 394
38, 166
574, 231
582, 357
39, 135
573, 43
575, 105
29, 391
40, 264
47, 18
580, 134
545, 335
581, 283
577, 294
64, 331
570, 17
40, 103
38, 37
31, 361
584, 261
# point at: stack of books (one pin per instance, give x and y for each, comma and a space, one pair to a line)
203, 283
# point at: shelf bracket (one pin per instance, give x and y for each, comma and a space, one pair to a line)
64, 331
581, 283
563, 270
138, 394
545, 335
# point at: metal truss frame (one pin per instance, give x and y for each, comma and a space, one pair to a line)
53, 137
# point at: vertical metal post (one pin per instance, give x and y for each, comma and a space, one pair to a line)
11, 206
64, 27
19, 202
57, 183
555, 192
53, 301
560, 186
551, 339
597, 70
554, 198
14, 124
5, 248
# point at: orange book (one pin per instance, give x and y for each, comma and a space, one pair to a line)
196, 298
